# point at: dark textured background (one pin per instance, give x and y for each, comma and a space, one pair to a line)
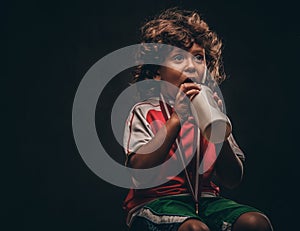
52, 44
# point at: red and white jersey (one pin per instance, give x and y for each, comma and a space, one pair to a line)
144, 121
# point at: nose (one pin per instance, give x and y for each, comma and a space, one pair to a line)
190, 66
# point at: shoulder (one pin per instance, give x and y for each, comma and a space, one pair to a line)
146, 105
145, 110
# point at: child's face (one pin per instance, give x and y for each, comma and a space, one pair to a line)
180, 65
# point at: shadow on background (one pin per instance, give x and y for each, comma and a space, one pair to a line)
55, 43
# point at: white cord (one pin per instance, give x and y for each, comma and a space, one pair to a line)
194, 192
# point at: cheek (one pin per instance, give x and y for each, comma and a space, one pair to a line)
201, 69
173, 67
201, 72
169, 74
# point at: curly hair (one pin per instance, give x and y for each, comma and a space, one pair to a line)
179, 28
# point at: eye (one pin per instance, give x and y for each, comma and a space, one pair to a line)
178, 58
199, 58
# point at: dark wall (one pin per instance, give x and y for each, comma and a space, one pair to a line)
52, 44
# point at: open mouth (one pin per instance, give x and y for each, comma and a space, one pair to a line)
191, 80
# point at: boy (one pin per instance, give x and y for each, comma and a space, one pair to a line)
188, 201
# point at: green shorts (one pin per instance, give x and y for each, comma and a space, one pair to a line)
168, 213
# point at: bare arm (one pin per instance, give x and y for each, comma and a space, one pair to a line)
156, 150
229, 167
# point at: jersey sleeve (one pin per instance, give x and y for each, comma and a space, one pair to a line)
137, 131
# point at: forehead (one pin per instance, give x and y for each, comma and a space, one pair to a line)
194, 49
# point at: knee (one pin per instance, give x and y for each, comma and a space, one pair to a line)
252, 221
197, 227
193, 225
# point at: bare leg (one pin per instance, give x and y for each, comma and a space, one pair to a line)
252, 221
193, 225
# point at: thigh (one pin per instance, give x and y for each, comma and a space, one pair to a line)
220, 213
166, 213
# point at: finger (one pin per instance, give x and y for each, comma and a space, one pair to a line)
218, 100
216, 97
192, 92
220, 103
189, 86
